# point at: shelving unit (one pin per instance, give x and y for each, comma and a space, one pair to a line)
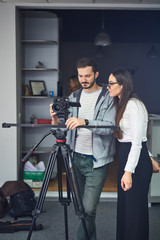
154, 148
38, 39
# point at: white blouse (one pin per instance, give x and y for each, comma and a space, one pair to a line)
134, 128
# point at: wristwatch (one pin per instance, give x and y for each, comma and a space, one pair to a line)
86, 121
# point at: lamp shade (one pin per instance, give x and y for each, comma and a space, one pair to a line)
102, 39
153, 53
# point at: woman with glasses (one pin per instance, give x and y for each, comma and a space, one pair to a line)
135, 166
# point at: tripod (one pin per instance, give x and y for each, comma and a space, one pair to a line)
72, 185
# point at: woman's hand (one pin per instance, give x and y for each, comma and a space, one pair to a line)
53, 115
126, 181
156, 168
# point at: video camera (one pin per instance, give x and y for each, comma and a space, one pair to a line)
60, 107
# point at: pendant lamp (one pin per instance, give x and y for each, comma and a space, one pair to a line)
102, 38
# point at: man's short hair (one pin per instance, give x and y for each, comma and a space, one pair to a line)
87, 62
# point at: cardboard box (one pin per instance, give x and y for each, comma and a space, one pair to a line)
33, 179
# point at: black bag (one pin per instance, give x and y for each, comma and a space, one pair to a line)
22, 203
9, 188
14, 226
3, 204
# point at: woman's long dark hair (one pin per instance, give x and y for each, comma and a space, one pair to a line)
123, 77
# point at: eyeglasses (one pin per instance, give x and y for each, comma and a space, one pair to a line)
110, 84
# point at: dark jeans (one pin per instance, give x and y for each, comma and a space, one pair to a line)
90, 183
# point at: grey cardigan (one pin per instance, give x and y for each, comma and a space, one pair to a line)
103, 139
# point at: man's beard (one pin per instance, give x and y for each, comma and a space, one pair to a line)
92, 83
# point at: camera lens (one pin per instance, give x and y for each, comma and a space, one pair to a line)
56, 107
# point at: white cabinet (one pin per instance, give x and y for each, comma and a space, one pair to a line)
38, 60
154, 148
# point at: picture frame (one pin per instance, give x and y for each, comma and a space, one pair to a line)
37, 86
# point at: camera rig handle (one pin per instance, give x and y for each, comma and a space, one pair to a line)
8, 125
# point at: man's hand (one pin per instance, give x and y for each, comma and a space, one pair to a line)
74, 122
126, 181
156, 168
53, 115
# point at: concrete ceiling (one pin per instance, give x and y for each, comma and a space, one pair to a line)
136, 20
140, 2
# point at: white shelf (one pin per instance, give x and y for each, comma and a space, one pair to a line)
39, 69
37, 97
39, 42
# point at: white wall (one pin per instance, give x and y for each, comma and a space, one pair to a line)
8, 137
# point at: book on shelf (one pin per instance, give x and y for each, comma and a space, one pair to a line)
43, 121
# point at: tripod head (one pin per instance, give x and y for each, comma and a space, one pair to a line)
59, 134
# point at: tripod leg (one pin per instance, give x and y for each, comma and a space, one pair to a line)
66, 221
62, 199
41, 198
65, 201
74, 188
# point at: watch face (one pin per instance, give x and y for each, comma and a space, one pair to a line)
86, 121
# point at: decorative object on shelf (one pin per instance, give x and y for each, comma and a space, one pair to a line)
33, 119
40, 65
43, 93
38, 88
27, 90
51, 93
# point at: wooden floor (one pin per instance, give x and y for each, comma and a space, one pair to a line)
109, 186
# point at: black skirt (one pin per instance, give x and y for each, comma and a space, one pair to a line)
132, 206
